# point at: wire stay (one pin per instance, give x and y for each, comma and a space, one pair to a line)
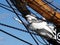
22, 22
14, 36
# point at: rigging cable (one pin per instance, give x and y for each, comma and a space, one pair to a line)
14, 36
16, 28
2, 5
38, 40
51, 4
23, 23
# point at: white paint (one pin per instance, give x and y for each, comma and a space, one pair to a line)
39, 24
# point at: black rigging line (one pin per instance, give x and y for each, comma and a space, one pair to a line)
22, 23
16, 28
38, 40
8, 9
4, 5
51, 4
43, 39
14, 36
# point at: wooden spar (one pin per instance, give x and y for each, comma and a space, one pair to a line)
45, 10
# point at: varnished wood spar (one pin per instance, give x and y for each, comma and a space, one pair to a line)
45, 10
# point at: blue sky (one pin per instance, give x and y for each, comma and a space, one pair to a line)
6, 17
